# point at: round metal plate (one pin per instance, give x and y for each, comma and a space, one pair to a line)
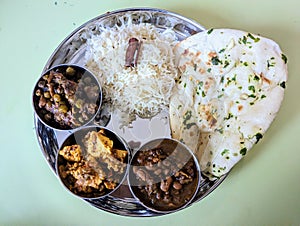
72, 50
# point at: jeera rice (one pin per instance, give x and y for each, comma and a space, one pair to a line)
143, 90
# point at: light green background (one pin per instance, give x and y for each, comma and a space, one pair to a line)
263, 189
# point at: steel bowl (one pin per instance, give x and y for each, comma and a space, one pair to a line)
66, 97
99, 168
164, 175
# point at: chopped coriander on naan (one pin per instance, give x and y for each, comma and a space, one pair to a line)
230, 88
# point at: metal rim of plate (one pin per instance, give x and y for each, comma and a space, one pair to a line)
72, 50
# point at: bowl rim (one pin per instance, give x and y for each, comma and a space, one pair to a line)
100, 96
89, 128
197, 165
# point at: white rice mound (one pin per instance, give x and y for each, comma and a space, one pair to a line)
141, 91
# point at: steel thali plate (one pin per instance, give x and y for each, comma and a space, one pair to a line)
72, 50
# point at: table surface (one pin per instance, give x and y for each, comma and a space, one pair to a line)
262, 189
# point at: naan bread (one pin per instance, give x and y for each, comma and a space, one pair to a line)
230, 89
